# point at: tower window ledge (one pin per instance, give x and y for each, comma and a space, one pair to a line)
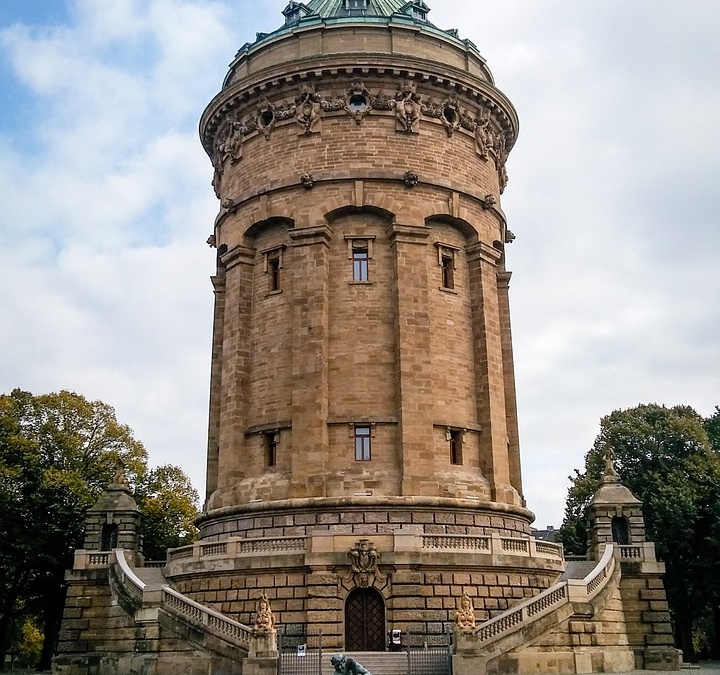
447, 290
360, 283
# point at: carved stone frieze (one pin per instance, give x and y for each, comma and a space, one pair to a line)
488, 202
333, 106
265, 117
450, 114
382, 102
307, 110
410, 178
408, 108
364, 560
484, 134
358, 101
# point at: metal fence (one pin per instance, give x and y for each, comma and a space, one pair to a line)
429, 653
300, 650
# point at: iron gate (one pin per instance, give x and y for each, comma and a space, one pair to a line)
299, 650
429, 653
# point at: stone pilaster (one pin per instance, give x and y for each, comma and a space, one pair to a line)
309, 329
218, 283
238, 263
489, 370
414, 365
511, 417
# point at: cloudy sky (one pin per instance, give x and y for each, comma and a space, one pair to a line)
105, 206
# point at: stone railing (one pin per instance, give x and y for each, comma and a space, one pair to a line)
195, 613
596, 580
528, 611
493, 544
149, 600
636, 552
234, 547
127, 579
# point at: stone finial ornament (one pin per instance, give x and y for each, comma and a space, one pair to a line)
465, 616
610, 474
264, 618
120, 477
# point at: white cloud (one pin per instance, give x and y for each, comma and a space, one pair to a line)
106, 206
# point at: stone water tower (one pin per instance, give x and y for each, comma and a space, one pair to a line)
363, 462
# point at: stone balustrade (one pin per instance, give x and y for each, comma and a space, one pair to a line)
572, 590
403, 540
195, 613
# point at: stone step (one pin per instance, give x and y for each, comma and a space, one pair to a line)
578, 569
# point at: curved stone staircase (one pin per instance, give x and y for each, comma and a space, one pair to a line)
145, 593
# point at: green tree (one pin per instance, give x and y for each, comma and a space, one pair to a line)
57, 453
665, 457
168, 503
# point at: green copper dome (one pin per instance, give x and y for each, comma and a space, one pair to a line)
356, 9
338, 8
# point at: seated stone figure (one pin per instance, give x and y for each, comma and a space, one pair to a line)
347, 665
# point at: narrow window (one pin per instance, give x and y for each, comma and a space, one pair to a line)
270, 443
109, 537
620, 530
355, 5
362, 443
360, 259
273, 268
447, 265
455, 439
273, 264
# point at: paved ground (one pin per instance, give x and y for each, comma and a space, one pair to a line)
703, 668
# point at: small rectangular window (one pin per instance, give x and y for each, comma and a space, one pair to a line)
447, 265
273, 264
447, 260
362, 443
360, 260
270, 443
455, 439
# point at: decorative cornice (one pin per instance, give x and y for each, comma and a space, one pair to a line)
316, 234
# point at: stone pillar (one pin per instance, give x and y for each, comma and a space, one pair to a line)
511, 417
234, 377
218, 283
414, 365
310, 330
489, 370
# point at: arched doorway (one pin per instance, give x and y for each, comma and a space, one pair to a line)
365, 621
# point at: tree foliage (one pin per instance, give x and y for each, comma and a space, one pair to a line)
57, 453
669, 459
